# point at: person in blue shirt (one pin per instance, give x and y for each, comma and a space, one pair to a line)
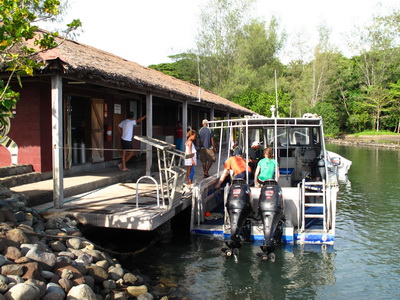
207, 147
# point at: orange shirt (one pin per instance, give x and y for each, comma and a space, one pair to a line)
237, 164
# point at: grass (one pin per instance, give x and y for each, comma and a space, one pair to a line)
374, 132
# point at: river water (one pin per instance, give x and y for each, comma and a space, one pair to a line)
364, 262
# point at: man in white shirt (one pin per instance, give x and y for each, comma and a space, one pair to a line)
125, 128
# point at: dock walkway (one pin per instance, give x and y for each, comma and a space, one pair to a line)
115, 205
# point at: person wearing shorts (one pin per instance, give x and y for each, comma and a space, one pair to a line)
126, 130
207, 147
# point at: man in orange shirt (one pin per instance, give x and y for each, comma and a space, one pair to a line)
238, 165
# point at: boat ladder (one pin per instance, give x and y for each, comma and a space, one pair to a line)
312, 209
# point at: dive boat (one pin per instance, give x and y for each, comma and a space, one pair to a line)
298, 206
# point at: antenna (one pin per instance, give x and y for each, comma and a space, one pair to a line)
198, 75
276, 95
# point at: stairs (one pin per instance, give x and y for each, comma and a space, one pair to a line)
16, 175
38, 187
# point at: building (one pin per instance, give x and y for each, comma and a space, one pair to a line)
79, 97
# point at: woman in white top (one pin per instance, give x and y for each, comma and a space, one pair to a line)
190, 154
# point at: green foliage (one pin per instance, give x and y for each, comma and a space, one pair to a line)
237, 58
185, 67
330, 117
16, 19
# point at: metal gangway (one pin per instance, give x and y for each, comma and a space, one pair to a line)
171, 170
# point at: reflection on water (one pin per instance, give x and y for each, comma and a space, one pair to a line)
363, 264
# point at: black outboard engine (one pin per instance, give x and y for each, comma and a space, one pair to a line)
239, 208
271, 212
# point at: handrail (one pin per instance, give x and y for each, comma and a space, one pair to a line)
137, 192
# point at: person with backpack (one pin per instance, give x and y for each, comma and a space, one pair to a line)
207, 147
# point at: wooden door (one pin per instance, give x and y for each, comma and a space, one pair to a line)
97, 130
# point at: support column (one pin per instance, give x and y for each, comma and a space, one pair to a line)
149, 131
228, 115
212, 113
184, 120
57, 140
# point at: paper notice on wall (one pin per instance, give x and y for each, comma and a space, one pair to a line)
117, 109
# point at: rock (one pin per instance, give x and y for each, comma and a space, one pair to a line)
82, 291
32, 271
109, 284
66, 284
85, 258
15, 279
39, 284
57, 246
136, 291
129, 278
20, 216
96, 254
104, 264
74, 243
68, 254
3, 260
120, 296
97, 273
145, 296
3, 284
46, 259
23, 291
52, 296
47, 274
22, 260
12, 253
69, 271
17, 236
115, 273
54, 288
89, 280
15, 269
67, 274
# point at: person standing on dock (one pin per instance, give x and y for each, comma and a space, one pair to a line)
190, 155
207, 147
125, 128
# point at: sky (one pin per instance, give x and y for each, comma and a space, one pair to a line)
149, 31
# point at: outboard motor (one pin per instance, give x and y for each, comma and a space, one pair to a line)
271, 212
239, 208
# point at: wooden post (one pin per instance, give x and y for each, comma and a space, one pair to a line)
149, 133
212, 114
57, 140
184, 121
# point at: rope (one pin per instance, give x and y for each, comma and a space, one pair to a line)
28, 232
104, 149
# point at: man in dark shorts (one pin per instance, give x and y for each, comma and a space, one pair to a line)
207, 147
126, 130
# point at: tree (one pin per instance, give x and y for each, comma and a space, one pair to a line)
185, 67
377, 57
220, 23
17, 19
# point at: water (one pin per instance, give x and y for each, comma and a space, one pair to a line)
364, 263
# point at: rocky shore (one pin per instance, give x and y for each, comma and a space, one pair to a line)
50, 260
384, 141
